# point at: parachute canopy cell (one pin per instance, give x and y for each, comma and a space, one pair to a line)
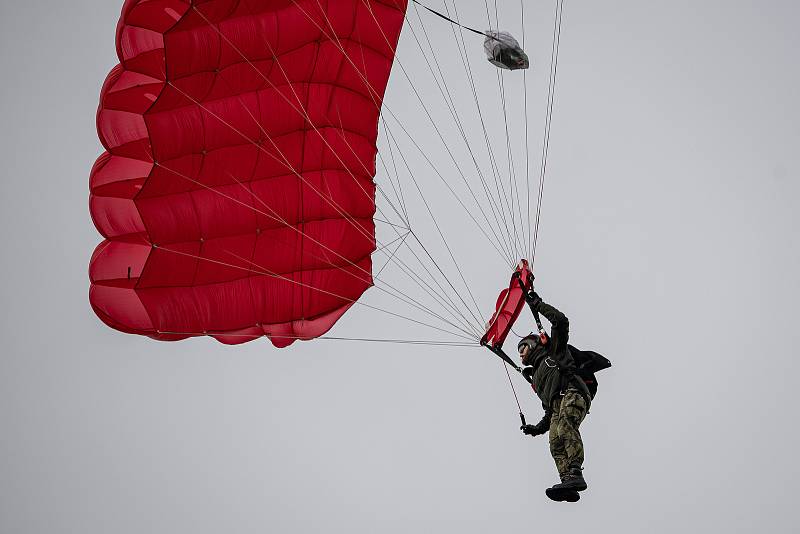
236, 193
504, 51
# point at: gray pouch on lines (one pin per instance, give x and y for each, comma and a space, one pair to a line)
504, 51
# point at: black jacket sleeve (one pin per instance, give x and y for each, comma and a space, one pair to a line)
544, 425
559, 333
527, 374
559, 337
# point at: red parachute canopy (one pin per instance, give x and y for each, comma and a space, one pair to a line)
509, 306
236, 194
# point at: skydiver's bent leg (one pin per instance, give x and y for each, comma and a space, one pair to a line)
569, 412
557, 449
573, 412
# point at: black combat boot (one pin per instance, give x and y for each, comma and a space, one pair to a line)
562, 495
572, 481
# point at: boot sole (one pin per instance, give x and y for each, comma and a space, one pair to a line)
562, 495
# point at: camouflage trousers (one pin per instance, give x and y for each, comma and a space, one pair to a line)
566, 445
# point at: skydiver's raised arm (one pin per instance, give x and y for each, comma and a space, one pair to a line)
559, 333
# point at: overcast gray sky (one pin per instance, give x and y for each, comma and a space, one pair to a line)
668, 237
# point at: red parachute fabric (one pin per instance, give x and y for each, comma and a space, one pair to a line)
236, 193
509, 305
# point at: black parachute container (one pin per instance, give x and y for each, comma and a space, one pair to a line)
504, 51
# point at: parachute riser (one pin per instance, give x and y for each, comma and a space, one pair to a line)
536, 317
503, 356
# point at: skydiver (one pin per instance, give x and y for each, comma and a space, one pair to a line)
550, 368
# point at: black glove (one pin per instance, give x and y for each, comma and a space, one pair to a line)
533, 299
531, 430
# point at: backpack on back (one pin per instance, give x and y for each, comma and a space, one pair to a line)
587, 363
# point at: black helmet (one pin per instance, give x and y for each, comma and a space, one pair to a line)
530, 341
533, 340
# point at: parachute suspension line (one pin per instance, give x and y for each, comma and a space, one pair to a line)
396, 173
517, 333
548, 119
391, 139
400, 215
341, 48
444, 240
402, 298
416, 144
404, 341
467, 336
394, 293
300, 110
329, 338
513, 390
286, 163
397, 191
449, 187
515, 189
333, 37
370, 91
266, 272
477, 330
322, 137
501, 193
405, 131
394, 188
444, 301
477, 327
473, 30
420, 282
427, 112
393, 225
432, 292
400, 263
512, 176
528, 222
438, 132
283, 161
512, 179
255, 120
397, 293
447, 95
512, 173
403, 216
392, 242
402, 242
494, 204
